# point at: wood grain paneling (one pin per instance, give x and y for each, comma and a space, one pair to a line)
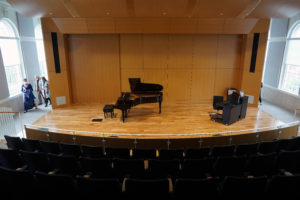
179, 85
203, 81
205, 51
180, 51
95, 71
131, 51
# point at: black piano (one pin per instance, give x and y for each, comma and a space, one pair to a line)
140, 93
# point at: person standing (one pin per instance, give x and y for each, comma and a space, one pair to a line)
38, 87
27, 91
47, 95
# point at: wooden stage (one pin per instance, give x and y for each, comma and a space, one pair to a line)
144, 119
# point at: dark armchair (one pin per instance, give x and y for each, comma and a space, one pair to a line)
217, 103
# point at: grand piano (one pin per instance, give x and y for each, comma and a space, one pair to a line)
141, 93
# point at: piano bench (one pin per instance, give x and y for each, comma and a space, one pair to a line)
108, 108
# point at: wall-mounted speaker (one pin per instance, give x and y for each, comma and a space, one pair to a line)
55, 52
254, 52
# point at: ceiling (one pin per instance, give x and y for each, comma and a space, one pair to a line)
261, 9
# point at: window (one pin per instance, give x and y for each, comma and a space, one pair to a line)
290, 78
41, 51
10, 49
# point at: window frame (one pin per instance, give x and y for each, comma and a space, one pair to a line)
17, 39
289, 38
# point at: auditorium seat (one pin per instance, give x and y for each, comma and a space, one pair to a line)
244, 188
55, 186
127, 167
267, 147
222, 151
284, 187
197, 168
65, 164
17, 184
31, 145
70, 149
230, 166
289, 161
294, 144
164, 168
144, 154
123, 153
36, 161
197, 153
97, 167
92, 151
91, 188
246, 149
11, 159
50, 147
196, 188
283, 144
149, 189
169, 154
14, 142
261, 165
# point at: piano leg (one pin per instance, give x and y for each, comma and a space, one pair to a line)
123, 115
159, 107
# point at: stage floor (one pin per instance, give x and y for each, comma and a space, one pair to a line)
175, 118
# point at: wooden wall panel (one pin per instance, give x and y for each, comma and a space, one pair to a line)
229, 50
205, 51
180, 51
131, 51
203, 81
179, 85
192, 68
226, 78
94, 67
155, 49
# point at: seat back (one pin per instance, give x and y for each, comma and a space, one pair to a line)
230, 166
65, 164
127, 167
123, 153
196, 188
197, 168
246, 149
222, 151
267, 147
50, 147
164, 168
31, 145
237, 187
261, 165
289, 161
10, 158
144, 154
285, 187
169, 154
149, 188
216, 100
92, 151
36, 161
89, 187
14, 142
70, 149
197, 153
99, 167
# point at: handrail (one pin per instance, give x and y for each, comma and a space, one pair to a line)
9, 112
163, 135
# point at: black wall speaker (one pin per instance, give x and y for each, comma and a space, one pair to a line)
55, 52
254, 52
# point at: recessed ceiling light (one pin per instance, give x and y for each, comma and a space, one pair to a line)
164, 13
107, 13
221, 14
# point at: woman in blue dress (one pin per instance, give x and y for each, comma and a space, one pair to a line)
29, 102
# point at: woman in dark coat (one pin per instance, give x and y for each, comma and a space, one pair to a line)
29, 102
